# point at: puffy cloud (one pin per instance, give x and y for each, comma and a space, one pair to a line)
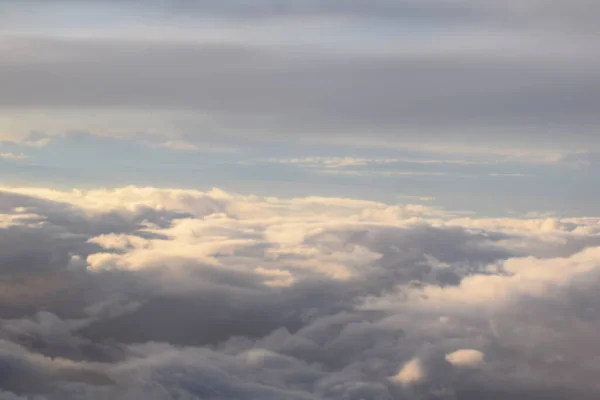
159, 293
465, 358
410, 373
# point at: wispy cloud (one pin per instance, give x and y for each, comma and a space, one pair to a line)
510, 175
182, 145
348, 172
13, 157
344, 162
361, 167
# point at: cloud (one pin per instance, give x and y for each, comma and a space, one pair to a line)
581, 160
402, 93
541, 11
13, 157
158, 293
142, 292
465, 358
334, 162
180, 145
410, 373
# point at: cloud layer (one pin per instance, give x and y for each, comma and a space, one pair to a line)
160, 294
459, 73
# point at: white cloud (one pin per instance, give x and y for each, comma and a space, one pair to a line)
119, 241
13, 157
411, 373
465, 358
526, 276
21, 219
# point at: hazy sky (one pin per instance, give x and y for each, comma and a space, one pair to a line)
299, 200
484, 105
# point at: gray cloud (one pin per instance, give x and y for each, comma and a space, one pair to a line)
478, 87
552, 13
143, 293
177, 326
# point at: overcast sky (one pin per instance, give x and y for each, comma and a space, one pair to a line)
197, 88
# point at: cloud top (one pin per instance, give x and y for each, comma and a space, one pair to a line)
156, 293
465, 358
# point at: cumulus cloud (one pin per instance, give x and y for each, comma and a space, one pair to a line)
465, 358
410, 373
165, 293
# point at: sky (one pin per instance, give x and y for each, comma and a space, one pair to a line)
299, 199
487, 106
